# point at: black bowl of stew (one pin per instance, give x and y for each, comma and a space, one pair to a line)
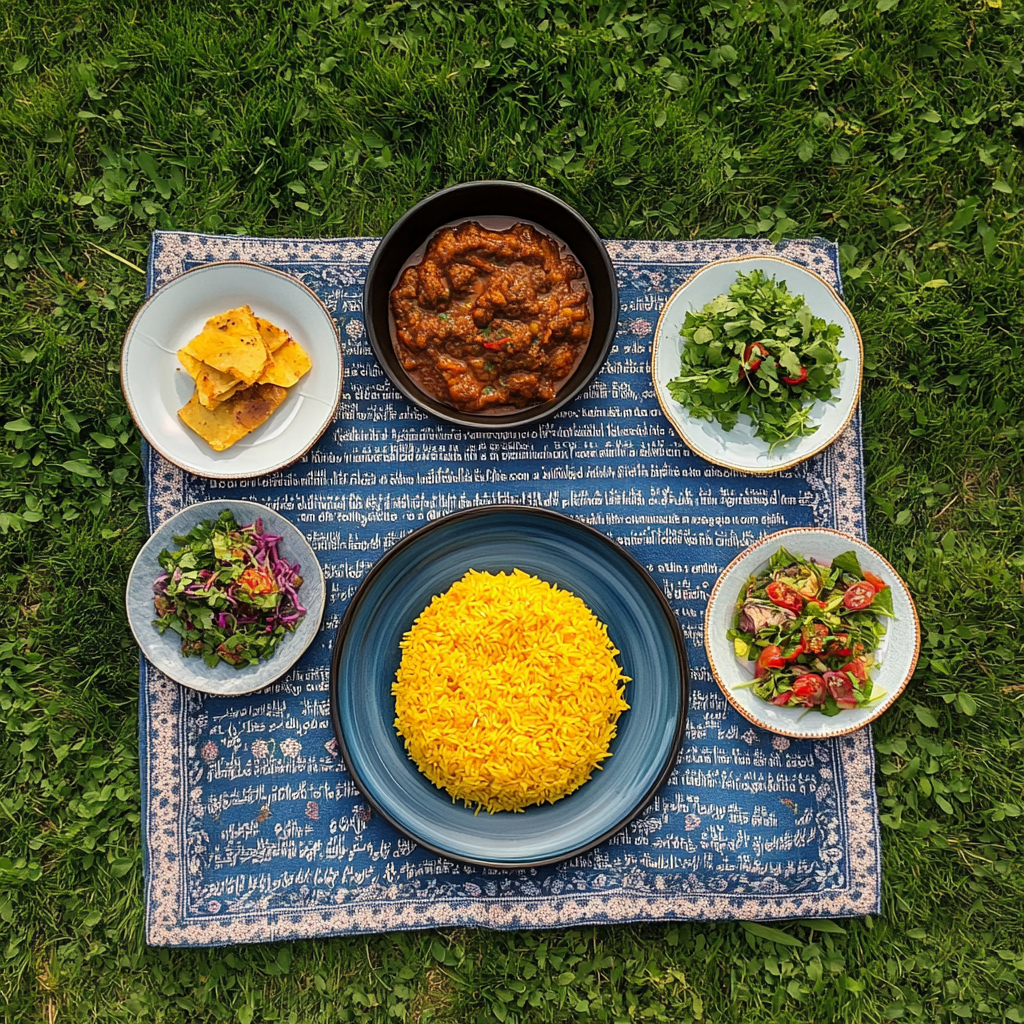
530, 217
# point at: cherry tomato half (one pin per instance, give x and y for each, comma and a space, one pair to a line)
786, 597
858, 668
799, 379
859, 596
841, 688
770, 657
810, 689
877, 582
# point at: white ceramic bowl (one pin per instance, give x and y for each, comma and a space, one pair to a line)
739, 448
156, 385
897, 654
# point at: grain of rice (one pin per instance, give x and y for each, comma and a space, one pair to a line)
508, 693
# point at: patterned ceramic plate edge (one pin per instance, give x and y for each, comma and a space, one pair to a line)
162, 449
838, 729
188, 672
672, 415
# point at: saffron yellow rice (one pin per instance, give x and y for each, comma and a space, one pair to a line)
509, 692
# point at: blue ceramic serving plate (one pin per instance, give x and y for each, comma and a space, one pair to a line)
558, 550
164, 650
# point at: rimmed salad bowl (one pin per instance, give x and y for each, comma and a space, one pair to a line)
783, 631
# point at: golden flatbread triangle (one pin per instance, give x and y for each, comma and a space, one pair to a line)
231, 420
242, 366
242, 318
287, 365
231, 343
212, 386
273, 336
242, 357
212, 400
191, 364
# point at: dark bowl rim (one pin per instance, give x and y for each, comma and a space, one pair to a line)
682, 658
531, 415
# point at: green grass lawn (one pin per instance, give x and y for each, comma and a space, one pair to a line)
895, 127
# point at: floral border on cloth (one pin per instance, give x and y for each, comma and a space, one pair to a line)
172, 251
838, 487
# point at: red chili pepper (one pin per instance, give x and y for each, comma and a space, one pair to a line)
754, 349
493, 345
785, 596
796, 652
877, 582
796, 380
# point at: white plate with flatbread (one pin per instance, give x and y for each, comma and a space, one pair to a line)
157, 385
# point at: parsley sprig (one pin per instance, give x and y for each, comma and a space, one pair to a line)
758, 351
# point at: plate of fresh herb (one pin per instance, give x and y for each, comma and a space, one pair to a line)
225, 597
811, 633
757, 363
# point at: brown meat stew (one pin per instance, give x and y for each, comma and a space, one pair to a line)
491, 319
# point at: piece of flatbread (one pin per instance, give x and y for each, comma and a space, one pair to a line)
231, 343
212, 386
231, 420
273, 336
287, 365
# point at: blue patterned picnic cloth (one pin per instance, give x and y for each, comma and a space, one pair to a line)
253, 828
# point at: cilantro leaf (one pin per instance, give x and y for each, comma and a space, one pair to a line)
847, 562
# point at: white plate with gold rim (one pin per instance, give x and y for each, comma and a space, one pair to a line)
738, 448
896, 655
156, 385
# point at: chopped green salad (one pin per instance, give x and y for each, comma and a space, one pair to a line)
759, 351
812, 629
227, 592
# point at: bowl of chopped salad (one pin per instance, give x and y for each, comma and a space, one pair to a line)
811, 633
225, 597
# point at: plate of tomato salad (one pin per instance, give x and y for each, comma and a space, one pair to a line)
811, 633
